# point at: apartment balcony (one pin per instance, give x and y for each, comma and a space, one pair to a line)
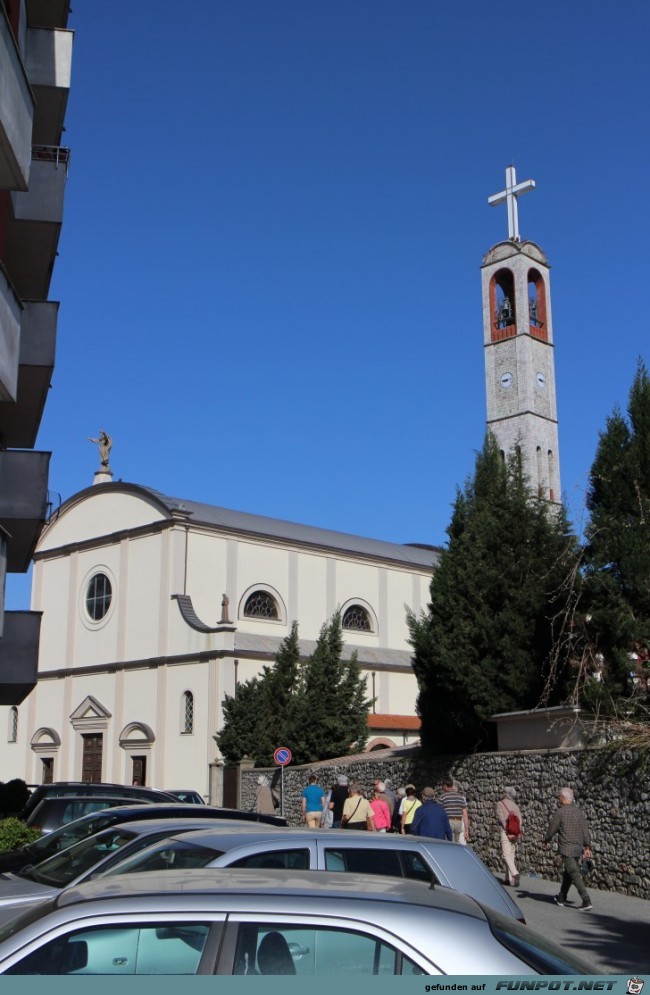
47, 13
10, 318
20, 421
23, 503
19, 656
16, 113
49, 63
34, 225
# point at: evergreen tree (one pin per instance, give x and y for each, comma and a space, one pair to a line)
493, 637
318, 708
260, 717
332, 719
617, 582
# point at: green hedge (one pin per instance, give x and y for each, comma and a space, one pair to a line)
14, 834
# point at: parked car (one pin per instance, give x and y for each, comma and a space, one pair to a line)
52, 813
188, 796
60, 788
414, 857
80, 829
84, 859
256, 922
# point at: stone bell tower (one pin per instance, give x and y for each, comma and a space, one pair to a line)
518, 340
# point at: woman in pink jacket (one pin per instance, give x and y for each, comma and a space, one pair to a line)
381, 813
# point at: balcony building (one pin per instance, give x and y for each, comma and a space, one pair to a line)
35, 67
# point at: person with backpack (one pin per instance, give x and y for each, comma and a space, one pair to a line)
511, 823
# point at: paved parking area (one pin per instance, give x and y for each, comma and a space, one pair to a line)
614, 935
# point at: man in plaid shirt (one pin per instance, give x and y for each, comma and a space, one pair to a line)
574, 841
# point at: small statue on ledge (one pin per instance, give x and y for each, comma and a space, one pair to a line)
225, 601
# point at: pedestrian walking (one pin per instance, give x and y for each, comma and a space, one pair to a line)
573, 841
511, 827
263, 797
338, 798
311, 803
380, 811
408, 808
357, 813
431, 819
380, 789
455, 805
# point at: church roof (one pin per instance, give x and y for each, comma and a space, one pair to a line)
309, 535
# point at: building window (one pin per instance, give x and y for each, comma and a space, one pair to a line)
261, 604
356, 617
13, 724
98, 597
188, 713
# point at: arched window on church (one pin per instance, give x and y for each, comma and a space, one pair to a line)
261, 604
540, 472
187, 713
357, 619
503, 317
537, 305
13, 724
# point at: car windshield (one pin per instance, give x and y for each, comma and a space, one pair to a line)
68, 835
59, 870
170, 855
544, 956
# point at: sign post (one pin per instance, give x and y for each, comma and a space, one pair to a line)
282, 757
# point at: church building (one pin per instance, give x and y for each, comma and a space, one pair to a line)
155, 608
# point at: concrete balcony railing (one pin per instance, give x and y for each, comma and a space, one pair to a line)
10, 319
35, 224
19, 421
16, 113
19, 656
49, 64
23, 503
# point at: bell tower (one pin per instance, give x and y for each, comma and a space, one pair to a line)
518, 341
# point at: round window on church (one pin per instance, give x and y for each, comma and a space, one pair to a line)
98, 597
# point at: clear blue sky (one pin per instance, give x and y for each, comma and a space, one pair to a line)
274, 223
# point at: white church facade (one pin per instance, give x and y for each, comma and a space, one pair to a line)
155, 608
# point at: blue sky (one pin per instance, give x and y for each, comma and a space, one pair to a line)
275, 218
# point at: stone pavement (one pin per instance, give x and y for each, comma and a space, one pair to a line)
614, 936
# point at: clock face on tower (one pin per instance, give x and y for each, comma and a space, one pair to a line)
505, 380
541, 380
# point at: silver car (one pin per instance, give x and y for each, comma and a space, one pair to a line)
414, 857
253, 922
89, 857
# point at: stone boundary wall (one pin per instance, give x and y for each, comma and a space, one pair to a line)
612, 789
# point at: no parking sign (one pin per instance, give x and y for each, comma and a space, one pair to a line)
282, 756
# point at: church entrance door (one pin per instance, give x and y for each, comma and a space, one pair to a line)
92, 758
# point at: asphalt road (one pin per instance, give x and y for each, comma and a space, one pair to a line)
614, 936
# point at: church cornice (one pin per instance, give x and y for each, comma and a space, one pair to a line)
508, 248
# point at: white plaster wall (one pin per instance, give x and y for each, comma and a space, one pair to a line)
207, 578
108, 511
310, 598
53, 601
143, 597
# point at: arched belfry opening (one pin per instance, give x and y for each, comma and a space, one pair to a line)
503, 318
537, 305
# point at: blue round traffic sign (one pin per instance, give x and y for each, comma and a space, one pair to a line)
282, 756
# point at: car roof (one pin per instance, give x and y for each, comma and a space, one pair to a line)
141, 827
276, 886
238, 835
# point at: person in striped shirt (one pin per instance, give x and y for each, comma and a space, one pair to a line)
455, 805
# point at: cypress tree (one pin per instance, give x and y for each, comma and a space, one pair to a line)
492, 639
617, 582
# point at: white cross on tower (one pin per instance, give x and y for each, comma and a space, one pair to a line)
510, 194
